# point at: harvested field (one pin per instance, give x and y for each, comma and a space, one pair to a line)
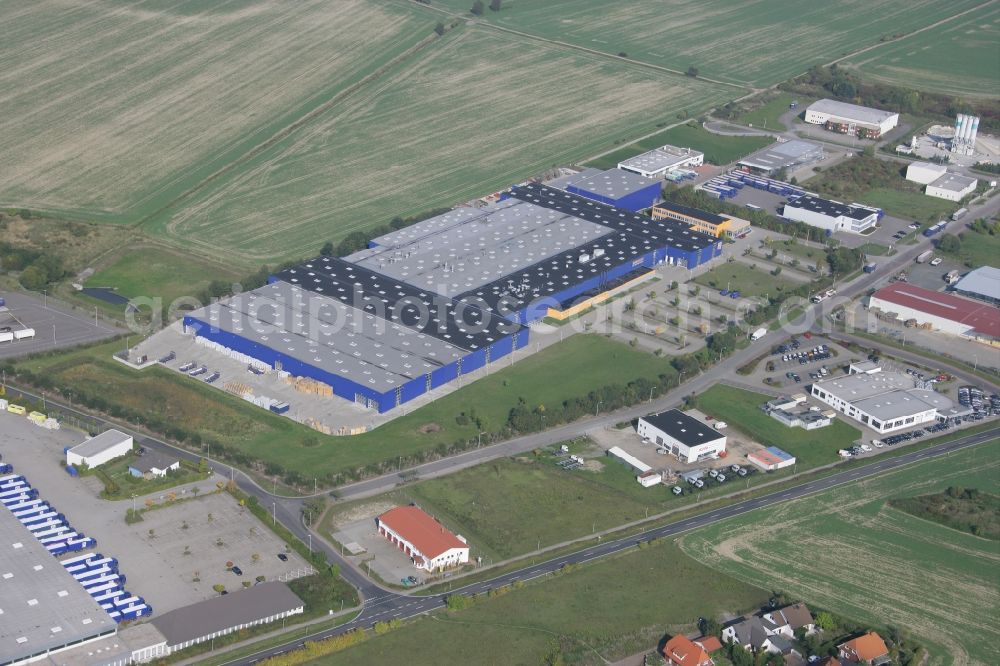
451, 125
959, 58
848, 551
775, 40
111, 109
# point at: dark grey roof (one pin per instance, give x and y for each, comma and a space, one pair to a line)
684, 428
832, 208
464, 326
613, 183
151, 459
225, 612
696, 213
750, 631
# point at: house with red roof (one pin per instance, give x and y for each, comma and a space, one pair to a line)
681, 651
428, 543
945, 312
866, 649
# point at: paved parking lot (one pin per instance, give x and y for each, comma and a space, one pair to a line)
54, 326
160, 565
388, 561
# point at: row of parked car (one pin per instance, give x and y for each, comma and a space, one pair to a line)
975, 397
819, 353
718, 476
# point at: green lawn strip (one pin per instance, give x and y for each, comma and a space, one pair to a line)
124, 485
931, 580
768, 115
718, 149
586, 615
750, 281
908, 205
707, 501
741, 409
976, 249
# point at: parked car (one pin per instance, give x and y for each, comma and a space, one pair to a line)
677, 490
721, 478
236, 570
282, 557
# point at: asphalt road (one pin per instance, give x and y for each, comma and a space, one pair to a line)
384, 606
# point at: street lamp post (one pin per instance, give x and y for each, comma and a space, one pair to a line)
310, 544
274, 513
480, 440
598, 410
651, 393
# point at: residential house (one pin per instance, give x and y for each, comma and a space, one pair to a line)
750, 633
787, 620
153, 465
709, 644
866, 649
681, 651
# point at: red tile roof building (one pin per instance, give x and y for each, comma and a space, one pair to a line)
948, 313
427, 542
680, 651
869, 649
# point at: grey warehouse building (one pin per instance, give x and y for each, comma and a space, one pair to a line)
784, 155
43, 609
983, 284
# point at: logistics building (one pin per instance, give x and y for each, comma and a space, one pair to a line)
427, 542
952, 186
982, 283
682, 435
944, 312
783, 155
659, 162
259, 604
98, 450
617, 187
885, 401
424, 305
718, 225
831, 215
925, 173
43, 609
847, 118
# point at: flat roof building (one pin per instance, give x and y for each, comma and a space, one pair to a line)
619, 188
98, 450
831, 215
428, 543
258, 604
944, 312
43, 609
885, 401
783, 155
952, 187
658, 162
982, 283
771, 458
682, 435
851, 118
153, 465
925, 172
715, 224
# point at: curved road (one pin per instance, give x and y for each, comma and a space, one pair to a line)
384, 606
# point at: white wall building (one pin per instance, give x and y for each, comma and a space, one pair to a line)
851, 118
885, 401
99, 450
952, 186
925, 173
942, 311
831, 215
427, 542
682, 435
658, 162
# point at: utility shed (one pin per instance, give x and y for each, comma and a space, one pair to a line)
98, 450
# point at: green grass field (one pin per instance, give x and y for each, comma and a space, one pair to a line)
909, 205
741, 410
448, 126
159, 272
604, 611
548, 377
129, 485
749, 281
848, 551
958, 58
718, 149
774, 42
769, 115
977, 249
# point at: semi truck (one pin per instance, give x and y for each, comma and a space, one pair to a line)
925, 256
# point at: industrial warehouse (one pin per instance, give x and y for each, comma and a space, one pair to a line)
428, 304
847, 118
832, 215
943, 312
660, 162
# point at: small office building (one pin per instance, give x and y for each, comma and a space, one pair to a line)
683, 436
98, 450
831, 215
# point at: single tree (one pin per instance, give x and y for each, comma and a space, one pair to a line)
477, 8
692, 71
495, 5
439, 29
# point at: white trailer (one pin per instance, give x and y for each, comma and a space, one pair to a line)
24, 334
758, 334
6, 336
